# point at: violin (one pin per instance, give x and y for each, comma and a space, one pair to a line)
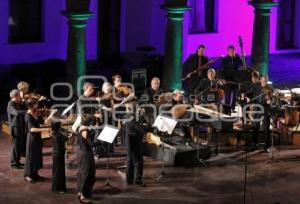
268, 92
124, 90
34, 96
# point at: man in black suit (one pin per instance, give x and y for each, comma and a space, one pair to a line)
17, 128
229, 68
194, 62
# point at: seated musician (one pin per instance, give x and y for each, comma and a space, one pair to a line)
204, 92
261, 95
120, 90
152, 94
195, 61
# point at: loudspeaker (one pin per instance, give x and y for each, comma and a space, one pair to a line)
139, 80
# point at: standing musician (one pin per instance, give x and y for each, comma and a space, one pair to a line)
86, 104
229, 68
134, 133
262, 94
23, 87
195, 61
251, 87
86, 176
34, 154
16, 121
106, 102
59, 138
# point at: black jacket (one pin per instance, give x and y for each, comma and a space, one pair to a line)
16, 116
230, 66
150, 95
134, 133
191, 64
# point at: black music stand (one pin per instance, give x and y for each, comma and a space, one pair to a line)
108, 134
165, 126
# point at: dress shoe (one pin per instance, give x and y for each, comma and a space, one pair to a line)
28, 179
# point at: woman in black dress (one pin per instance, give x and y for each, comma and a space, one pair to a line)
86, 164
59, 137
34, 157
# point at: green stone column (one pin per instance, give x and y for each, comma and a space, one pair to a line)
261, 34
76, 49
172, 69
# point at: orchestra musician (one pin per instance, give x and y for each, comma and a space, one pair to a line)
151, 96
34, 154
16, 121
262, 94
59, 138
106, 102
229, 67
87, 104
195, 61
23, 87
134, 133
120, 91
207, 85
86, 175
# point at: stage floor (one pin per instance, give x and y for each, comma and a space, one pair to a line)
221, 181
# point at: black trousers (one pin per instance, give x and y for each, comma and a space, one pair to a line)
16, 151
230, 97
135, 166
265, 127
86, 176
58, 172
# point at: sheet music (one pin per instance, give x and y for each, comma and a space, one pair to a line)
108, 134
165, 124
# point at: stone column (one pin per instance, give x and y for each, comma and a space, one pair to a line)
76, 53
172, 70
261, 34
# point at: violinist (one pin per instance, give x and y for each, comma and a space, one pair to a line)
34, 154
106, 102
107, 97
16, 126
86, 103
23, 87
195, 61
120, 91
262, 95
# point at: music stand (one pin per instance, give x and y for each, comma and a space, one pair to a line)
108, 134
165, 126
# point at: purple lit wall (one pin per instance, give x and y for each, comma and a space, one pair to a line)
55, 35
143, 22
235, 17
